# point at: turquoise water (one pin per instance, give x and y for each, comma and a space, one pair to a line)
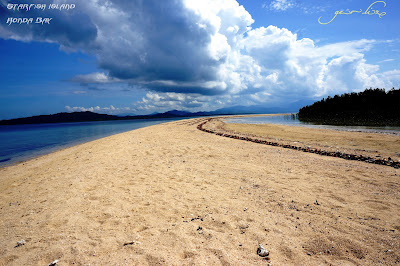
292, 120
22, 142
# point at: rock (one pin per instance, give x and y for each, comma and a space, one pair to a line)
200, 230
261, 251
20, 243
131, 243
54, 263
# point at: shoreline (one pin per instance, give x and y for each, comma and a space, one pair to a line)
26, 156
240, 131
367, 129
40, 153
172, 194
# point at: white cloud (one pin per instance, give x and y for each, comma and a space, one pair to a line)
79, 92
299, 67
161, 102
280, 5
386, 60
95, 78
105, 110
308, 8
390, 78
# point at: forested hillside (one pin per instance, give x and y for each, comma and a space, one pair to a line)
372, 107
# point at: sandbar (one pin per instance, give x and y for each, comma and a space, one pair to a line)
171, 194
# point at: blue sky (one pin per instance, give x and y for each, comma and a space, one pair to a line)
139, 57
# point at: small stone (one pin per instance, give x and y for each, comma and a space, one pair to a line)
261, 251
20, 243
131, 243
54, 263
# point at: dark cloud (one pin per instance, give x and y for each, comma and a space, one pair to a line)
166, 46
184, 88
162, 41
71, 29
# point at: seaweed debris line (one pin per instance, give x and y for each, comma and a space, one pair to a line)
338, 154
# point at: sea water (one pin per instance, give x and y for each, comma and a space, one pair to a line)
292, 120
22, 142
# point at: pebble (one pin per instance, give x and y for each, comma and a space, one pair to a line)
261, 251
53, 263
20, 243
200, 230
132, 243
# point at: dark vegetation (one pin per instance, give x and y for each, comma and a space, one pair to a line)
59, 118
372, 107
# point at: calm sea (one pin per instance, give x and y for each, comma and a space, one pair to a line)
22, 142
292, 120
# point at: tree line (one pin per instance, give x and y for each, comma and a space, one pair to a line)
372, 107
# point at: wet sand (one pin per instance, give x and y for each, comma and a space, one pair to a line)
171, 194
372, 144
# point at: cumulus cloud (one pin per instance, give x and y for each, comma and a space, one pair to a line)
292, 66
167, 101
201, 54
391, 78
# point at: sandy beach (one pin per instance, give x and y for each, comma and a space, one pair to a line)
171, 194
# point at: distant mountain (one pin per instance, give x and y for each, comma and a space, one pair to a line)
90, 116
175, 113
126, 114
59, 118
